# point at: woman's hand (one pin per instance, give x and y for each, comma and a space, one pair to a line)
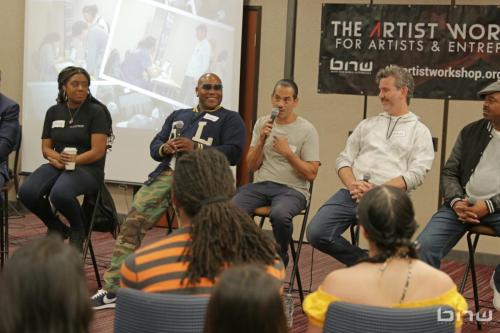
56, 163
66, 158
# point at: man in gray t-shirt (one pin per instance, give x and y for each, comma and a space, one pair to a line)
284, 156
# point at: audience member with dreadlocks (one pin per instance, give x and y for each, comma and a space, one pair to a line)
213, 235
392, 275
79, 121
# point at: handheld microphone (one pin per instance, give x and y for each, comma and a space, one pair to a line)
274, 114
366, 177
177, 128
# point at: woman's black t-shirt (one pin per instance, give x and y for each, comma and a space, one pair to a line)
89, 119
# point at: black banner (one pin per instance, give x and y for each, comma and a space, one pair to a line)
451, 51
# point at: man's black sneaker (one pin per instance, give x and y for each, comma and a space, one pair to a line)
103, 300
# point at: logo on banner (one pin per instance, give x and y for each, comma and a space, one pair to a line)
451, 51
351, 67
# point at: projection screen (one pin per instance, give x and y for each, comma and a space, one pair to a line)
143, 56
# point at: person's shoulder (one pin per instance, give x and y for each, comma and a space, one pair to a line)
224, 111
130, 261
178, 238
96, 110
372, 119
340, 280
435, 280
6, 101
96, 107
421, 127
476, 124
180, 113
56, 108
305, 123
229, 115
262, 119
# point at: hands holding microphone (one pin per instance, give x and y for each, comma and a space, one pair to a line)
280, 142
268, 126
177, 143
359, 187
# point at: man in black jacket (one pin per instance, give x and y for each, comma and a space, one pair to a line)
470, 182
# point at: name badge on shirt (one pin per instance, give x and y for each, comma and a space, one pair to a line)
210, 117
58, 124
399, 133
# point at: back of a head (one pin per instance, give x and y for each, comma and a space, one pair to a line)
221, 233
43, 289
387, 215
246, 299
199, 176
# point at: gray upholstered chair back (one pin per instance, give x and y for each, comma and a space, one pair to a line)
138, 311
346, 318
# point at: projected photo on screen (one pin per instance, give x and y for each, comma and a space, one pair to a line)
144, 58
164, 51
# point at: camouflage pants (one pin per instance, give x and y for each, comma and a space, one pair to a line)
150, 203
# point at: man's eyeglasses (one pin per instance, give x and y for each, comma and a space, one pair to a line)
207, 86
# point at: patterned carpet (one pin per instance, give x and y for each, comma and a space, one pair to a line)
314, 266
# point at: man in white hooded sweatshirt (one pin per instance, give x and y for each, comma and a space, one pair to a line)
393, 148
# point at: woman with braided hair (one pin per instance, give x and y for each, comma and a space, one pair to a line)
391, 275
80, 121
213, 234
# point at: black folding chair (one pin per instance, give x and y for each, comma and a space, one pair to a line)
92, 205
263, 213
474, 232
4, 206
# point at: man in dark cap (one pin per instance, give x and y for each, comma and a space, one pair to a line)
471, 186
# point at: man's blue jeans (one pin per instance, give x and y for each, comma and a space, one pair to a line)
285, 203
325, 230
443, 231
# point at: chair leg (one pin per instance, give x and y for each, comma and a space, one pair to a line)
88, 243
354, 229
472, 248
5, 229
464, 278
356, 235
295, 268
473, 244
170, 221
90, 226
94, 264
2, 237
295, 272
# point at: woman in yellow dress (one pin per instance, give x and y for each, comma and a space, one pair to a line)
391, 275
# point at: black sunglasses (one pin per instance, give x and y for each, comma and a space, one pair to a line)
208, 86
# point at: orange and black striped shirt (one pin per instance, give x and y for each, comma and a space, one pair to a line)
158, 268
